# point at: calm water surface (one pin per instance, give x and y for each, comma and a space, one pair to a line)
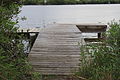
40, 16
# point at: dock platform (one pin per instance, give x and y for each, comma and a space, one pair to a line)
56, 50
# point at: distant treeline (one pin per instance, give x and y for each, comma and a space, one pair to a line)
64, 2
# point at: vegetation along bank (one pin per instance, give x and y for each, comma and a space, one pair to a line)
65, 2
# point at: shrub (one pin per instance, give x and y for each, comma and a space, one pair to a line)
104, 59
13, 61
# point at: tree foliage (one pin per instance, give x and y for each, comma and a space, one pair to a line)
13, 61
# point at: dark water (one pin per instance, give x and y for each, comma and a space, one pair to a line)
39, 16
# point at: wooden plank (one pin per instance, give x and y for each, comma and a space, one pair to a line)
55, 53
58, 47
56, 64
52, 50
53, 57
57, 70
62, 59
54, 60
53, 73
92, 28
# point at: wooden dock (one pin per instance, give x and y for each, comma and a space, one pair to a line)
56, 50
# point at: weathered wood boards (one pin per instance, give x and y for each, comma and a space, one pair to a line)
56, 50
92, 28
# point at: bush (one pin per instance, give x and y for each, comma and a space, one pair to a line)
104, 59
13, 61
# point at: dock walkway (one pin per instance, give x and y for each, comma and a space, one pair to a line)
56, 50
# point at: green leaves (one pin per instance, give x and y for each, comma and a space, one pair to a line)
13, 61
104, 61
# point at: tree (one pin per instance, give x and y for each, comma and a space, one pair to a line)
13, 62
